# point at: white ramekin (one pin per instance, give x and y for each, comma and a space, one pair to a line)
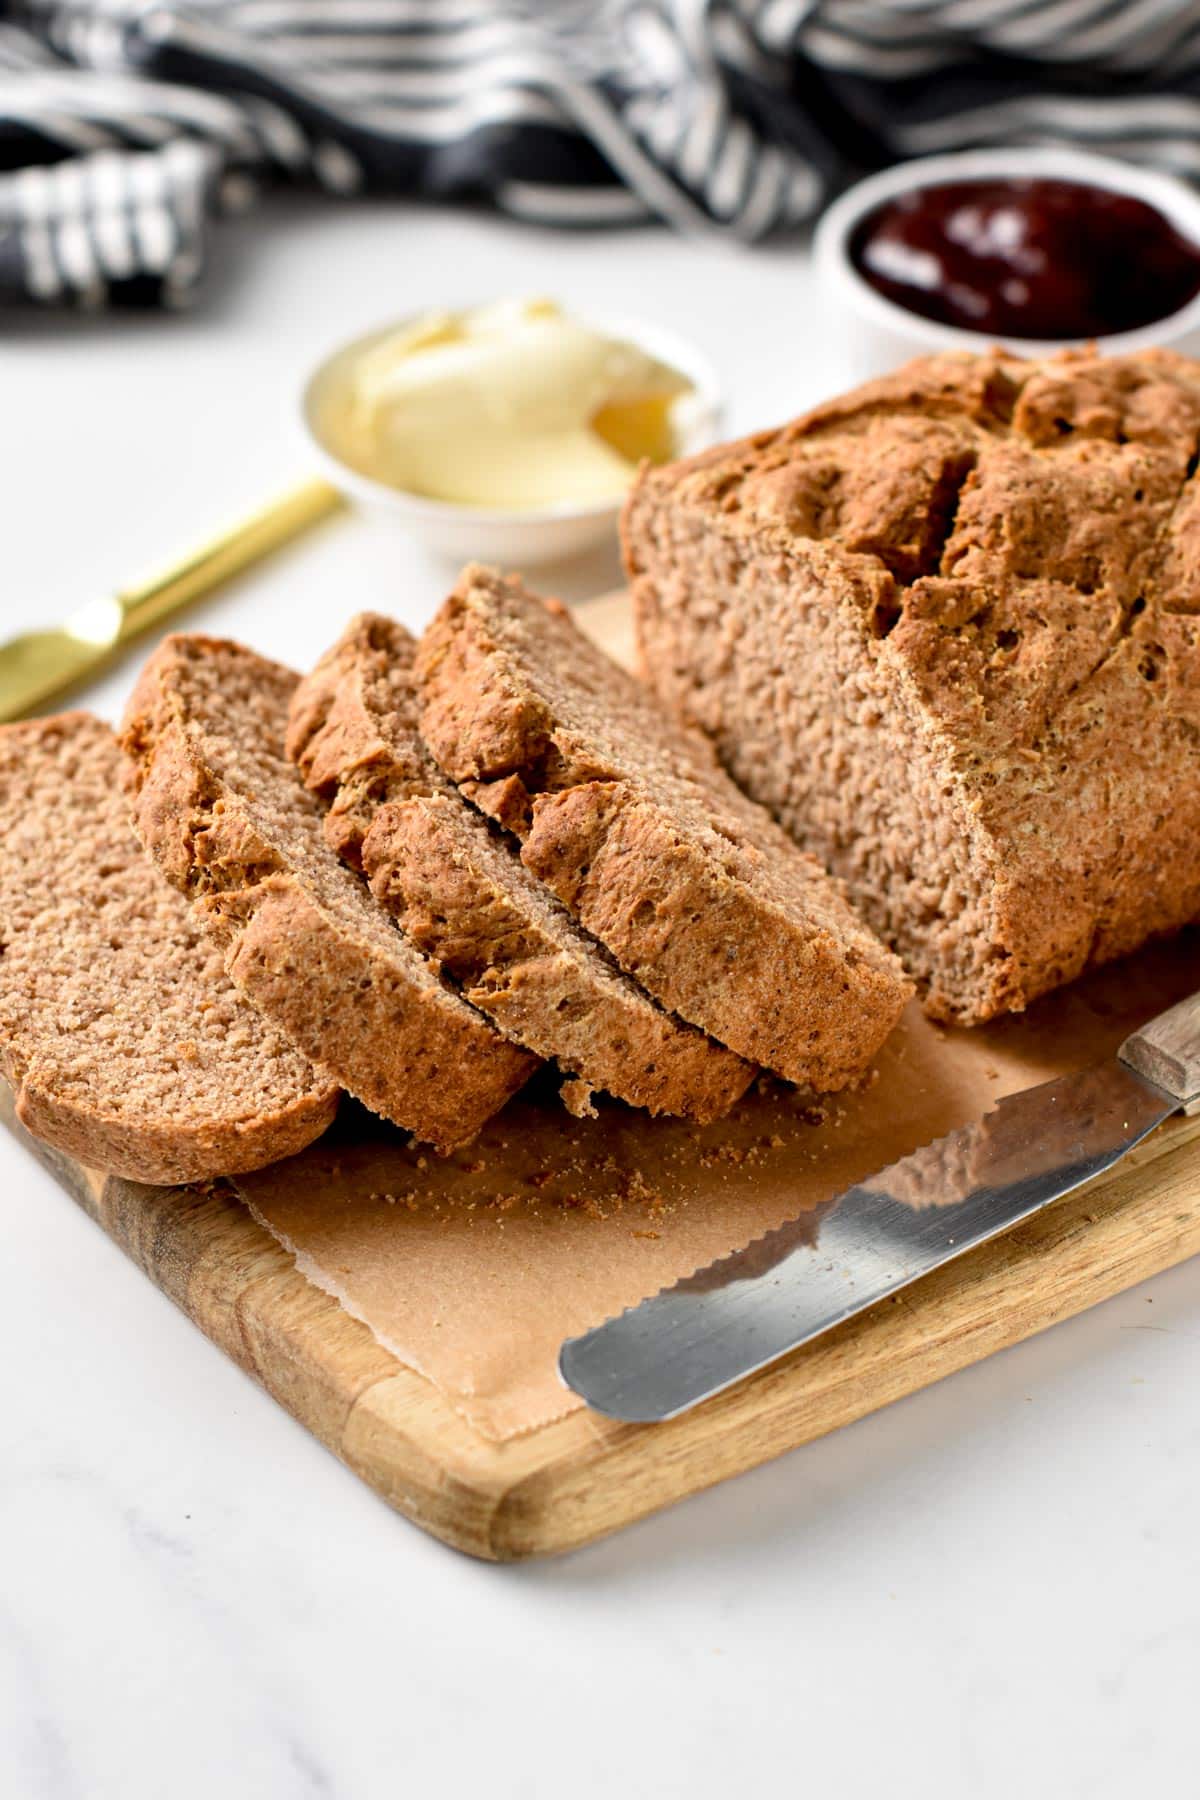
514, 538
877, 334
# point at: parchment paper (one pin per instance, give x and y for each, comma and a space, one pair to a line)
472, 1270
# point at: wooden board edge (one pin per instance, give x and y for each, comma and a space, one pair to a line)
202, 1248
583, 1477
1119, 1230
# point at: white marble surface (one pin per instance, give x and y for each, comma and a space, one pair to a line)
991, 1589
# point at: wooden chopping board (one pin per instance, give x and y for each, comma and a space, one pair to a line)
584, 1476
580, 1477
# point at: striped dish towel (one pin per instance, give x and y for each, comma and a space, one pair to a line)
127, 126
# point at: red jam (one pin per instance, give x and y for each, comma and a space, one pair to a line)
1027, 259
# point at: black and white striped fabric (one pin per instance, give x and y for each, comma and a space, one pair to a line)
127, 126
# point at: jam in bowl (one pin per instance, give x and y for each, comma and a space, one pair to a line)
1036, 249
1031, 258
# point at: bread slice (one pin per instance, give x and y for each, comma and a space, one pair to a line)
228, 820
460, 892
125, 1041
631, 822
948, 630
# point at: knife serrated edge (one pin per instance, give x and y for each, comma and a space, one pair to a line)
1166, 1103
787, 1224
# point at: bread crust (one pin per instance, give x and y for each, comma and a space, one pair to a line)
167, 1154
539, 993
349, 753
72, 1084
987, 571
462, 896
401, 1043
647, 842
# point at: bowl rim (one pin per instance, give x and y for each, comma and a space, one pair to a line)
660, 341
1178, 203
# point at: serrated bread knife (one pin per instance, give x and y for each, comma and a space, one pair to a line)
710, 1330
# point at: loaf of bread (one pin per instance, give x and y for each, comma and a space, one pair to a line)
948, 630
123, 1038
629, 820
461, 894
228, 820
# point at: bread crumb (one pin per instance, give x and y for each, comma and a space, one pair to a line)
408, 1199
577, 1098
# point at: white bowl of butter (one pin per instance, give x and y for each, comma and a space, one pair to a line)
508, 432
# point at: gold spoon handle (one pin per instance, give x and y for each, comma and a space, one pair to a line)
150, 602
41, 665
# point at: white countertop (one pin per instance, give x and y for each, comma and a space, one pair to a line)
991, 1589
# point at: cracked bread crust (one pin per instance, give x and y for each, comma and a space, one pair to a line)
228, 820
947, 628
352, 731
124, 1040
632, 824
462, 895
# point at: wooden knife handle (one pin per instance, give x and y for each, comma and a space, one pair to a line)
1167, 1052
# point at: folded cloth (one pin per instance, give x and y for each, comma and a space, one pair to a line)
126, 126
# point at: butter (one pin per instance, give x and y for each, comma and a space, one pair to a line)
514, 406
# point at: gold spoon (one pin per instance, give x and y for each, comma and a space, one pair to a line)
38, 665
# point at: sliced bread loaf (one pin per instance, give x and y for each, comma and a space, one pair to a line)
947, 629
460, 892
127, 1044
628, 818
228, 820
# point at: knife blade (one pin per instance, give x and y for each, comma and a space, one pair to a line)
739, 1314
